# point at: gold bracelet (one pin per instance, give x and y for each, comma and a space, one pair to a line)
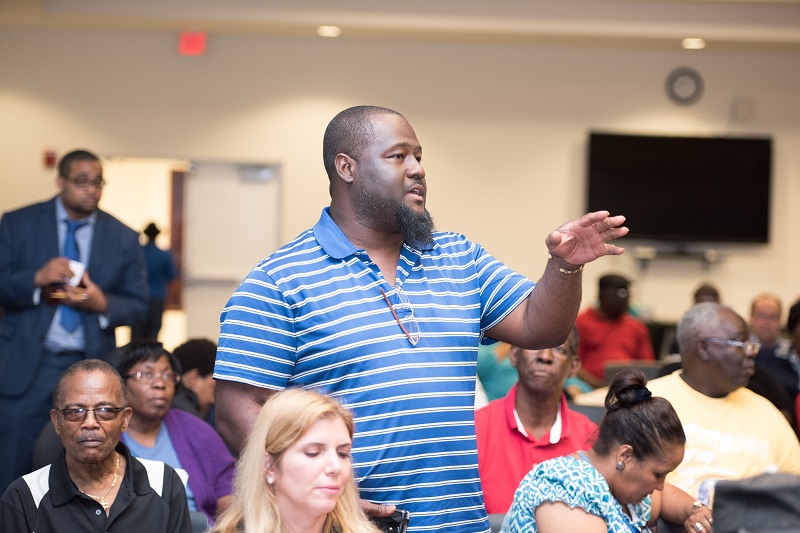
564, 270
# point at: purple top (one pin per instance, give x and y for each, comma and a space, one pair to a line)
204, 456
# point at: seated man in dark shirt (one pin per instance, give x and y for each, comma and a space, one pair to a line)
95, 484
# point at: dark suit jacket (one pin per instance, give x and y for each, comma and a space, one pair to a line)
28, 239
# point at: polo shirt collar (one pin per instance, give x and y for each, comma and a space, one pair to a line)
559, 429
331, 238
62, 489
336, 244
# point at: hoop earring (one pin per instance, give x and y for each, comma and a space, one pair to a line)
620, 466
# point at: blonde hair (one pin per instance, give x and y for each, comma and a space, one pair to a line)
284, 418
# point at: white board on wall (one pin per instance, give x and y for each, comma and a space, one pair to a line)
232, 219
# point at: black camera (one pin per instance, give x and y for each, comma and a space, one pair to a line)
397, 522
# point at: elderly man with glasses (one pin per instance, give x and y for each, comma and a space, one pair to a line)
95, 484
70, 273
731, 432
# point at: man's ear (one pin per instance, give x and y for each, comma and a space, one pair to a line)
345, 167
574, 366
702, 350
53, 419
126, 413
513, 355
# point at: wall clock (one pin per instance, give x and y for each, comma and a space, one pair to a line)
684, 86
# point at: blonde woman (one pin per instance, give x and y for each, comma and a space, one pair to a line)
295, 474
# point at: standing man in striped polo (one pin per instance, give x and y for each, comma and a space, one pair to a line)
375, 308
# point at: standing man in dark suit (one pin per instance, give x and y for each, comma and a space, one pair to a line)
69, 275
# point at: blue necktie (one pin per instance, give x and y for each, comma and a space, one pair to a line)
71, 318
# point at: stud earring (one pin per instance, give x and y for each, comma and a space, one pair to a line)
620, 466
270, 480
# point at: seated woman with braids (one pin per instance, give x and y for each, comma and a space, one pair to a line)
618, 485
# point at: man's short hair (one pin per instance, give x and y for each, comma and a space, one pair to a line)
349, 133
65, 165
86, 366
197, 353
766, 297
706, 293
613, 282
697, 320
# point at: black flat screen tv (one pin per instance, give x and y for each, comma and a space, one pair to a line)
683, 189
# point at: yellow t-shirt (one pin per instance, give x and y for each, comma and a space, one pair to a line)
738, 436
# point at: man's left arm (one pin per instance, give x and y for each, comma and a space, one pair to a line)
129, 305
546, 316
123, 301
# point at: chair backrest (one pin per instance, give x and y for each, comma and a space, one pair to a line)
199, 522
496, 520
651, 369
595, 413
47, 447
769, 503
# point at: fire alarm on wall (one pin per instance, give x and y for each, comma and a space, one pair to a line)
49, 158
192, 43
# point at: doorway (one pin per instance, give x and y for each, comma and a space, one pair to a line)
218, 218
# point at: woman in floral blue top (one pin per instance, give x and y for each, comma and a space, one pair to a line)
618, 485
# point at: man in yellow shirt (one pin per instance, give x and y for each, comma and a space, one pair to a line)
731, 432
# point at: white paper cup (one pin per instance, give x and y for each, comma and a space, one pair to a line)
77, 272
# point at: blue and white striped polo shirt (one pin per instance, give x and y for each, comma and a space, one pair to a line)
312, 315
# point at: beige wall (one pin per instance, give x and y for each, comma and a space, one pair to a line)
503, 128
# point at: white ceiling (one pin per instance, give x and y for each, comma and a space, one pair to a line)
723, 23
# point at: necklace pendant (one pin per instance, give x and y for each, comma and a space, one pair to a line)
104, 504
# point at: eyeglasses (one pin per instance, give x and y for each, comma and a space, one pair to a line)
408, 323
84, 182
149, 377
78, 414
750, 348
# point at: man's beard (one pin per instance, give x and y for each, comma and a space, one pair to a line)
416, 228
393, 216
